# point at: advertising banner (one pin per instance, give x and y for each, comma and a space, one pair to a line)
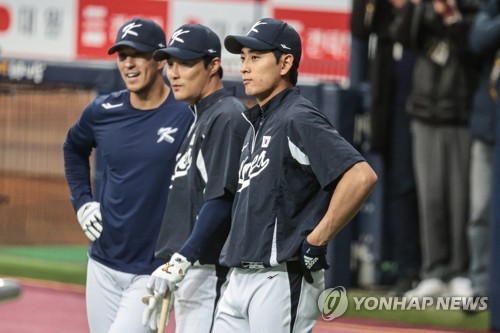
42, 29
325, 40
223, 17
75, 30
99, 21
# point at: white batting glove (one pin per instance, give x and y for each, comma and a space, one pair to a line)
90, 219
152, 312
166, 277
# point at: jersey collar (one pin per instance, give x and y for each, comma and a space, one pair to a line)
275, 102
210, 100
254, 113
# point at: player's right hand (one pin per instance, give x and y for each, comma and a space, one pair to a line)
312, 259
166, 277
152, 313
90, 219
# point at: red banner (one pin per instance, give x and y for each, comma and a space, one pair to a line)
99, 21
325, 40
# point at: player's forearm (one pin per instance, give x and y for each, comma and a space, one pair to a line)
213, 216
347, 199
77, 171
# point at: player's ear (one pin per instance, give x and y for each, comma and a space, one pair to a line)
161, 64
286, 63
214, 66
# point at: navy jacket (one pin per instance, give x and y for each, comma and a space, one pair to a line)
484, 39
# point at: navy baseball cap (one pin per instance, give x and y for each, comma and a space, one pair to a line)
190, 42
268, 34
141, 34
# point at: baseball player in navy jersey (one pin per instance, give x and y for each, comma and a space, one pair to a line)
138, 132
300, 182
197, 217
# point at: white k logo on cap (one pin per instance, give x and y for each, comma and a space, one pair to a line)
128, 29
175, 36
255, 26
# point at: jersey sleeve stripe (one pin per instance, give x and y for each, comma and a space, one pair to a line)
297, 153
200, 164
273, 260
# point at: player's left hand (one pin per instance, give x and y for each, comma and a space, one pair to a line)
152, 312
166, 277
90, 218
312, 259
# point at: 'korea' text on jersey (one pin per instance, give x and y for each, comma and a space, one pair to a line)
207, 167
292, 158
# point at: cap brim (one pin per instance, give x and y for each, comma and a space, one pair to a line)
176, 52
135, 45
234, 44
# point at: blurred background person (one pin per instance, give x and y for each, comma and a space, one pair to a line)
444, 80
389, 75
484, 39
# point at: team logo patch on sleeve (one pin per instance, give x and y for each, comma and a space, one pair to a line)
265, 141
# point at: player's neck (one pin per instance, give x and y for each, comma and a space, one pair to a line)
266, 96
215, 84
150, 98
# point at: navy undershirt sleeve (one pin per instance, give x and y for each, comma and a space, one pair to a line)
215, 215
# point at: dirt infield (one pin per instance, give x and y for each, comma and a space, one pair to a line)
45, 308
60, 308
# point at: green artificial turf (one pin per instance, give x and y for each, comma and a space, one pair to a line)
68, 264
54, 263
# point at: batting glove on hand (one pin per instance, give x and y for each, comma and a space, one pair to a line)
166, 277
152, 313
312, 259
90, 219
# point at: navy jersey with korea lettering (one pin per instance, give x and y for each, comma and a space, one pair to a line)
139, 148
207, 167
289, 166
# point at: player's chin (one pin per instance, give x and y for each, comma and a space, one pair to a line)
250, 90
180, 95
130, 84
256, 92
135, 88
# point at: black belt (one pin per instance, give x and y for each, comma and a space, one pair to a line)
260, 264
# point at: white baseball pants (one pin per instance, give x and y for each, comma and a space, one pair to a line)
114, 300
196, 299
269, 300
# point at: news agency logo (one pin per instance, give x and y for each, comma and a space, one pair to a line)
333, 303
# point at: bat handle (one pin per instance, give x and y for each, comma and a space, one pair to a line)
164, 312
